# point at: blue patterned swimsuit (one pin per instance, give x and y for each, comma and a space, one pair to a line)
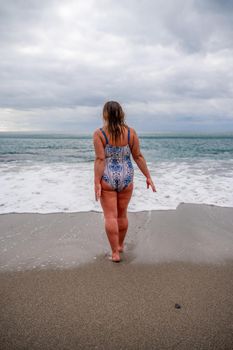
118, 170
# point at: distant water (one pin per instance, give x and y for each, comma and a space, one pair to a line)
54, 172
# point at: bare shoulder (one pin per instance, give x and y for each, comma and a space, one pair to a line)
133, 132
96, 133
133, 137
98, 139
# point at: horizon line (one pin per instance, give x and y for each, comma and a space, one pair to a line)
89, 133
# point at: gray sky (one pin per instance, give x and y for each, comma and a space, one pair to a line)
169, 64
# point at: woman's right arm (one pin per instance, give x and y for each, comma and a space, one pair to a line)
140, 160
99, 163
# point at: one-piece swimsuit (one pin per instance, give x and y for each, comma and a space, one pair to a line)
118, 171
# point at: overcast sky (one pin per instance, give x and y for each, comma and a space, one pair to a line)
168, 63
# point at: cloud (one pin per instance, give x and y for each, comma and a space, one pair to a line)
61, 61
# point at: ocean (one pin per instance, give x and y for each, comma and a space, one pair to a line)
47, 173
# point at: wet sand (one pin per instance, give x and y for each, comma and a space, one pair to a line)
98, 304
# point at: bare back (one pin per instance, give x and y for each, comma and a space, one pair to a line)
121, 142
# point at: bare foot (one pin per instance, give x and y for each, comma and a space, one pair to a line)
116, 257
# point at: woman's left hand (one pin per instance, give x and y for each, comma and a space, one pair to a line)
97, 191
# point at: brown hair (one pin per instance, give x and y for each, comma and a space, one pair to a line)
114, 116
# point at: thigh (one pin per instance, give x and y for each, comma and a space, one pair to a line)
123, 198
108, 200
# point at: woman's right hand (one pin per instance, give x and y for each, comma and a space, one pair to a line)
97, 191
149, 183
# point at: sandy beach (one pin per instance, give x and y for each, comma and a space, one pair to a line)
59, 290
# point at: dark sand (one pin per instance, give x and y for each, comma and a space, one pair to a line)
128, 305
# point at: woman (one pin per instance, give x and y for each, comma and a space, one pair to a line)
114, 143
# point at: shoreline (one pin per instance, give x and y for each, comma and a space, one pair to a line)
129, 211
198, 233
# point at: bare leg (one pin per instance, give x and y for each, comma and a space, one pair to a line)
123, 199
123, 227
108, 202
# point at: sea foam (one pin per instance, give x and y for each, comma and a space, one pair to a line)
68, 187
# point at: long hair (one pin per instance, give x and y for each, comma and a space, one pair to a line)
114, 117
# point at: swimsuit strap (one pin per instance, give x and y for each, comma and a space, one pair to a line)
128, 134
104, 135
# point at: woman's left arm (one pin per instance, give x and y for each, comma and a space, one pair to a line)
99, 163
